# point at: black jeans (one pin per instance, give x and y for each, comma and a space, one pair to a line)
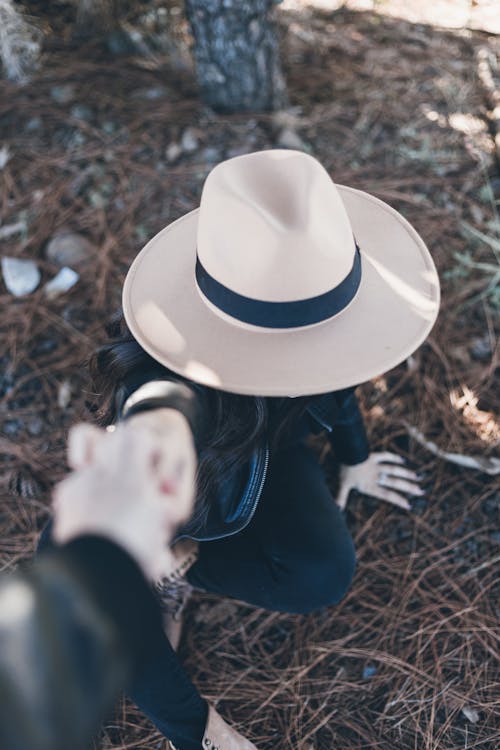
296, 555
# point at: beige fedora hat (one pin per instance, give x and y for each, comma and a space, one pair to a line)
282, 283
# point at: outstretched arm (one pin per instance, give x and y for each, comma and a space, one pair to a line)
78, 625
378, 474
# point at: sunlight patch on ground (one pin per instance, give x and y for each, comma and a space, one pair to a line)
445, 14
473, 128
482, 423
467, 123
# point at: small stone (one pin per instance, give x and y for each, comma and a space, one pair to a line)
35, 426
289, 138
189, 140
21, 276
81, 112
68, 248
4, 156
480, 348
470, 714
64, 394
11, 427
33, 124
9, 229
63, 94
172, 152
151, 94
118, 42
62, 282
97, 199
461, 353
287, 118
211, 154
412, 363
109, 127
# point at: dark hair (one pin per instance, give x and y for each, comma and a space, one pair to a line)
236, 426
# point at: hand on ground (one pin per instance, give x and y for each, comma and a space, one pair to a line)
384, 476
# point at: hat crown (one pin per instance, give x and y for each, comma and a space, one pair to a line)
272, 226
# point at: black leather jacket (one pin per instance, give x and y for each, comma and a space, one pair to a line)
239, 493
70, 641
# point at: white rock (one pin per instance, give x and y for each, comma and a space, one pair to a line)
21, 276
4, 156
470, 714
64, 394
63, 94
69, 248
62, 281
189, 140
287, 118
288, 138
172, 152
9, 229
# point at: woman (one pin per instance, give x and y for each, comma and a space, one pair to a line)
256, 315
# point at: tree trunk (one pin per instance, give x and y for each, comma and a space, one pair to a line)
237, 55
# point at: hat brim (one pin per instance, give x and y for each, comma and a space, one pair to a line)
391, 315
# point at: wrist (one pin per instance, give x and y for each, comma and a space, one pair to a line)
164, 394
160, 418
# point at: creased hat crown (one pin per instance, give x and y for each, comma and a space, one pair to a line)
272, 226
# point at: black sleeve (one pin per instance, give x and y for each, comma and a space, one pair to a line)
348, 437
76, 628
158, 683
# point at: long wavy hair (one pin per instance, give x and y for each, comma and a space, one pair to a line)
237, 423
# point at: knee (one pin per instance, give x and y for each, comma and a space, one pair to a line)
319, 583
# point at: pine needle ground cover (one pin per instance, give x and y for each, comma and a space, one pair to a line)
111, 148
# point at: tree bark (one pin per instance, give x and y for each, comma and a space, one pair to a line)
237, 54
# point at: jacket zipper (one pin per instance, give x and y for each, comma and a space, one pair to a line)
254, 480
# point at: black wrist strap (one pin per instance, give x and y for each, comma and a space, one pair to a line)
157, 394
